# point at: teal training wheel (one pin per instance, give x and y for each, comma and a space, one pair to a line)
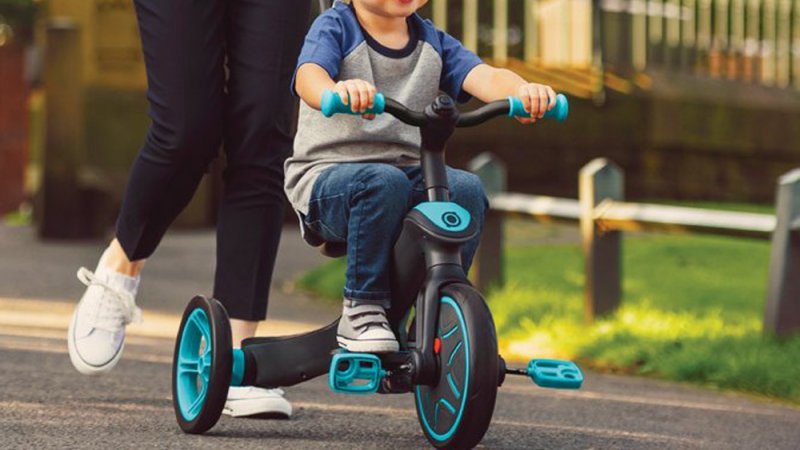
201, 365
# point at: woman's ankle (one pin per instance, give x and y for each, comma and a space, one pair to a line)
241, 330
115, 259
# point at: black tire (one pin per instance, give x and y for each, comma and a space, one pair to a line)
206, 411
468, 365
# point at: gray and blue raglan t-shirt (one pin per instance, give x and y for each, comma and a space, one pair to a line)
432, 61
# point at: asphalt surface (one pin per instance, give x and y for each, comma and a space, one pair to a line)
45, 403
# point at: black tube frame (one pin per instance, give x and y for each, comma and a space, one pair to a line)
285, 361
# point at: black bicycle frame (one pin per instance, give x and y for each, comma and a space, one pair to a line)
425, 255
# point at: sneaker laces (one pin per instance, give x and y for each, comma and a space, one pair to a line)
116, 308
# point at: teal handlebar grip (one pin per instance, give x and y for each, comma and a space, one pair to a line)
332, 104
559, 112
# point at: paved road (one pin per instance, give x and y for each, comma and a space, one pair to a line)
44, 403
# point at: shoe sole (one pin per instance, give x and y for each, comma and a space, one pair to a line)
78, 362
361, 346
272, 408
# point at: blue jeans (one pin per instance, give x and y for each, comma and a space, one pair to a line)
364, 204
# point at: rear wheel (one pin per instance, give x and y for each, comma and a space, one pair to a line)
201, 366
456, 413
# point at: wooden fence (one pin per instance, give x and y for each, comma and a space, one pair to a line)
749, 40
603, 216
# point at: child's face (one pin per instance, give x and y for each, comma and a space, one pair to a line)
390, 8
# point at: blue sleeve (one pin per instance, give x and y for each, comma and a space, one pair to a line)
322, 46
457, 62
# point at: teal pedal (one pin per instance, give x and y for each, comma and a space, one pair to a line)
355, 373
553, 373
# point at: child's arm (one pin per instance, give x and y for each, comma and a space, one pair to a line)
312, 80
489, 83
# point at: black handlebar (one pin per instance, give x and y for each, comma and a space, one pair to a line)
470, 119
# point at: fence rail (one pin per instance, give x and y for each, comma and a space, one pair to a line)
603, 215
623, 216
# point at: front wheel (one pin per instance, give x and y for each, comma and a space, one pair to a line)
456, 412
201, 366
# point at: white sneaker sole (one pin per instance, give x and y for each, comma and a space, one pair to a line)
256, 406
78, 362
362, 346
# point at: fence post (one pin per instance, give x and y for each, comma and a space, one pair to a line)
599, 180
782, 312
440, 14
488, 262
470, 25
62, 214
500, 36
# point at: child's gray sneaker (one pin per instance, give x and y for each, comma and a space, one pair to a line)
364, 328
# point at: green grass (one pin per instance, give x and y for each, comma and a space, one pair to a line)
692, 311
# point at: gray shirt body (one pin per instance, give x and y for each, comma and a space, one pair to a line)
414, 78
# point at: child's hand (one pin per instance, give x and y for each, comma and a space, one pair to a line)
359, 93
537, 99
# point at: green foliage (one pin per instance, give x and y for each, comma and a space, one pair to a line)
326, 281
22, 217
692, 311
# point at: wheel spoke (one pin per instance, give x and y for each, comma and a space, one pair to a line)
186, 365
202, 327
207, 337
453, 353
195, 322
197, 404
453, 386
449, 332
447, 405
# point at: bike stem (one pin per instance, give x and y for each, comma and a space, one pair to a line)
442, 116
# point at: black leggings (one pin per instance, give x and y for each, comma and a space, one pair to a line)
194, 110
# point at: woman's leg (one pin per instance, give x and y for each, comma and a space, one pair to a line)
183, 42
264, 39
184, 50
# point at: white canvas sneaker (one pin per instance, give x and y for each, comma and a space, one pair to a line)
97, 332
251, 401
